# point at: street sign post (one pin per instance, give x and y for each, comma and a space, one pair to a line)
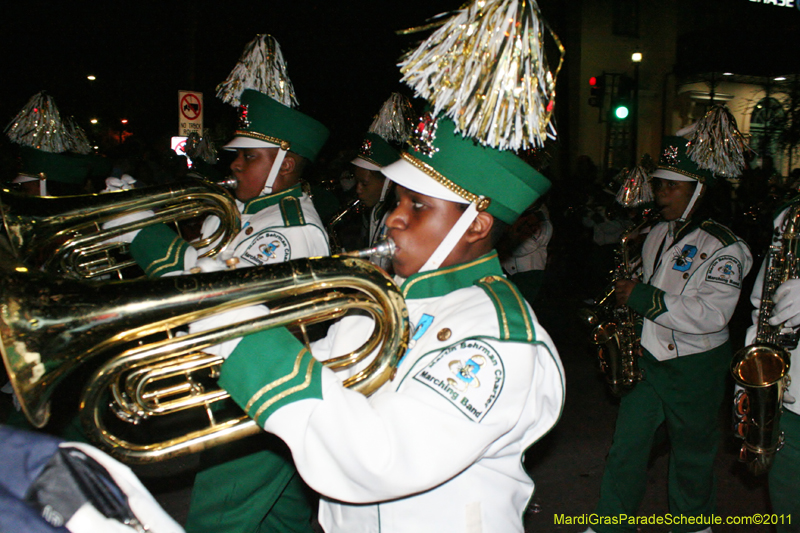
190, 113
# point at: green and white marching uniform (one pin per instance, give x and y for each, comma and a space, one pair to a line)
690, 285
438, 448
785, 470
275, 228
691, 281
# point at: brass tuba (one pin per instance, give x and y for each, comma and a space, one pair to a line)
614, 327
149, 366
761, 369
64, 235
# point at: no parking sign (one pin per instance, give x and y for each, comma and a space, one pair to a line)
190, 113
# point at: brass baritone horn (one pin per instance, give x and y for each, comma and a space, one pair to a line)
64, 235
149, 367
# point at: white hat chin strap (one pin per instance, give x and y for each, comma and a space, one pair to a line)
451, 239
273, 172
693, 200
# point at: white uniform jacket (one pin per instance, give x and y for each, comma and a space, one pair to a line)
689, 287
440, 447
275, 228
531, 254
791, 398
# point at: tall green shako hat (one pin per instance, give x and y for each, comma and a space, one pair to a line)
485, 74
711, 147
393, 124
45, 141
260, 87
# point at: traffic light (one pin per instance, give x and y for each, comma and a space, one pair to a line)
597, 86
621, 108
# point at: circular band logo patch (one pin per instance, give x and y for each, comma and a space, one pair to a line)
268, 247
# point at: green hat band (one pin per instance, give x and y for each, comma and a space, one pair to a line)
507, 183
675, 159
265, 119
376, 150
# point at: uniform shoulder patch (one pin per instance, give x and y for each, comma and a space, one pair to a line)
267, 247
720, 232
727, 270
469, 374
513, 317
292, 212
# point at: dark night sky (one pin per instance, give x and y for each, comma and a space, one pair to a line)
341, 56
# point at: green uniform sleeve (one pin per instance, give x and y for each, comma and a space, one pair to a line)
268, 370
159, 250
647, 300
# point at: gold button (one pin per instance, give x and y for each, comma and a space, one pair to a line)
703, 256
444, 334
685, 275
249, 230
671, 347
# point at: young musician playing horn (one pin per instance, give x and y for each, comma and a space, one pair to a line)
692, 275
252, 485
440, 446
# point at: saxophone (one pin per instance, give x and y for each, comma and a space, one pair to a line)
614, 327
353, 206
761, 369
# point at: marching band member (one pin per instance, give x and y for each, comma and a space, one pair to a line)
692, 277
256, 490
274, 143
392, 123
440, 446
785, 469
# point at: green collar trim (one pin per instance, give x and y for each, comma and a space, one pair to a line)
445, 280
688, 226
255, 205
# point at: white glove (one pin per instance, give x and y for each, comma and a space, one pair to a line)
127, 219
119, 184
225, 319
787, 304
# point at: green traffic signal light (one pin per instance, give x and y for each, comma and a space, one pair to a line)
621, 111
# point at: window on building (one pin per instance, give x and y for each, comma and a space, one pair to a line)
625, 16
766, 125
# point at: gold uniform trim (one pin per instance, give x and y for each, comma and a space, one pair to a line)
280, 381
285, 145
481, 203
523, 309
676, 170
287, 392
441, 272
176, 242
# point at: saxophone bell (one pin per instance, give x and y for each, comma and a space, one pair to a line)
761, 368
